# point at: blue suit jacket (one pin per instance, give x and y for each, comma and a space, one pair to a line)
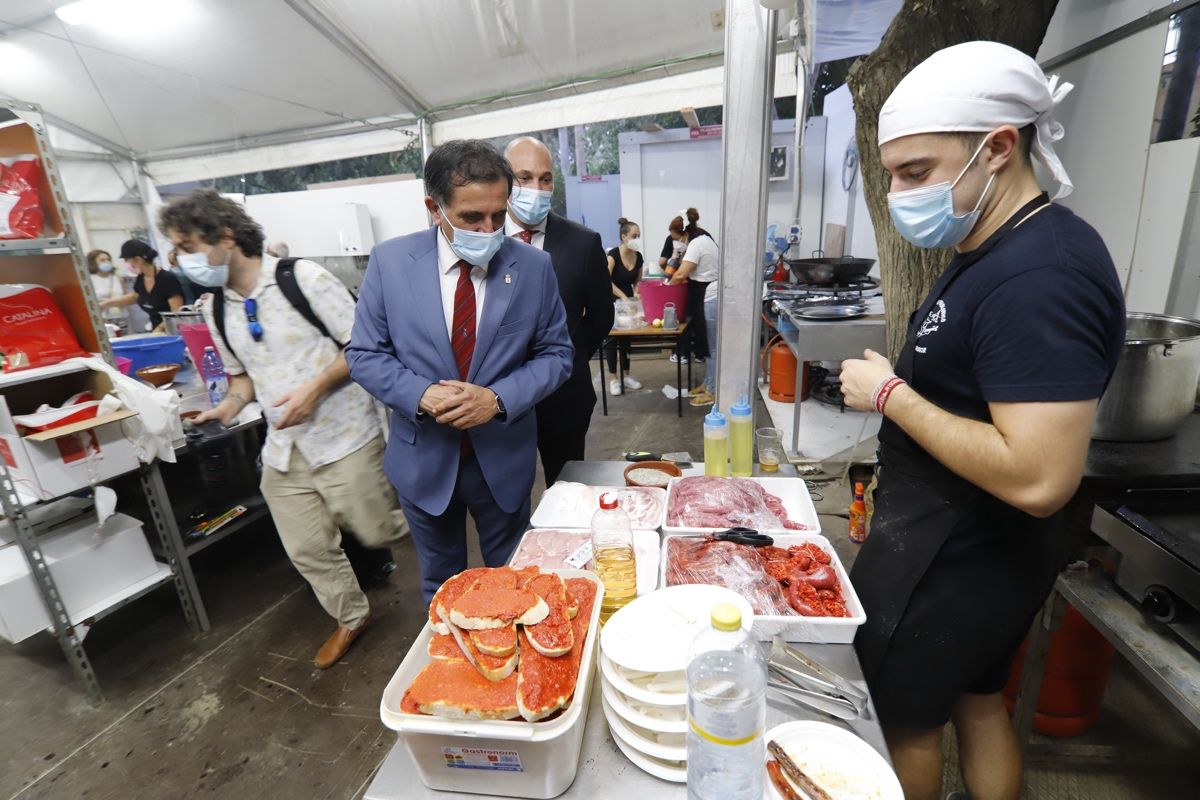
400, 346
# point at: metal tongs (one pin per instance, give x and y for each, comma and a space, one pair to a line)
813, 685
748, 536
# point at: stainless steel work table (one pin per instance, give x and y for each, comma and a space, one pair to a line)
603, 769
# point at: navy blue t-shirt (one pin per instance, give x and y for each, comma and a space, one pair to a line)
1039, 317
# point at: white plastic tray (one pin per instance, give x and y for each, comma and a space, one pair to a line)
813, 630
553, 513
647, 546
792, 491
546, 754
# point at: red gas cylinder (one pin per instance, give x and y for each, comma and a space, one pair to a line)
1077, 670
783, 375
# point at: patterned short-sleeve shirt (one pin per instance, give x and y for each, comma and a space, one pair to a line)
291, 353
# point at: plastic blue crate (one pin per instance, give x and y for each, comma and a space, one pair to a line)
150, 350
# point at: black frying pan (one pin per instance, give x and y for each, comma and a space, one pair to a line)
828, 271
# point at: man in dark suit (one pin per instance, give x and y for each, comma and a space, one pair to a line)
584, 284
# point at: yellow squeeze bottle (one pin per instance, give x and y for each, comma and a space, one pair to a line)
741, 438
716, 444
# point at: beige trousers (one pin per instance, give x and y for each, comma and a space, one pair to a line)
310, 506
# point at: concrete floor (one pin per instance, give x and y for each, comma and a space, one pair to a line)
239, 712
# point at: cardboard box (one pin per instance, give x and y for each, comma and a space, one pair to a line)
89, 563
57, 462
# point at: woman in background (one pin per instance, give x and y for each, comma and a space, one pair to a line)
107, 285
155, 290
699, 267
625, 270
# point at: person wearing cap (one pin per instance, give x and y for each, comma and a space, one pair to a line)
987, 411
155, 290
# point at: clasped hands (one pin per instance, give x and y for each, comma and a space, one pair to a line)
459, 404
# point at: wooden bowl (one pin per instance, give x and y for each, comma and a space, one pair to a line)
158, 374
668, 469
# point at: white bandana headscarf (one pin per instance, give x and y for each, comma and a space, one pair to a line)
977, 87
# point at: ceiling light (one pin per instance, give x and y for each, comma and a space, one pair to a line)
80, 12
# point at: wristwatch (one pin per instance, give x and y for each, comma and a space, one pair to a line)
501, 411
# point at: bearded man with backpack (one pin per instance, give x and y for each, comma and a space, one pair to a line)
281, 325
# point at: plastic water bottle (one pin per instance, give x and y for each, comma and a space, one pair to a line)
212, 369
727, 711
716, 444
741, 437
612, 555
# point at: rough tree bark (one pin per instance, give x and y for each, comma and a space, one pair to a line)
921, 28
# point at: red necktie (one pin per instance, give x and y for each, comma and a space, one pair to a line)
525, 236
462, 336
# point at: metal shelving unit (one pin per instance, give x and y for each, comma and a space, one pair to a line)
23, 130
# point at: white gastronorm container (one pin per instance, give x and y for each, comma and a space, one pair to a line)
551, 513
792, 491
543, 756
812, 630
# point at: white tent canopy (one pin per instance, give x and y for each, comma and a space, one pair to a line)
199, 88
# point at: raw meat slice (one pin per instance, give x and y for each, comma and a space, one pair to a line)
554, 635
447, 593
495, 641
734, 566
712, 502
546, 684
455, 689
496, 600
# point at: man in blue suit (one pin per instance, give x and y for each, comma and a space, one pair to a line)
460, 331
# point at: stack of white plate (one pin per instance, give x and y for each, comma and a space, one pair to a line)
643, 652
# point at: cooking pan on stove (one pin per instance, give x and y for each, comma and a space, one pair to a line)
826, 271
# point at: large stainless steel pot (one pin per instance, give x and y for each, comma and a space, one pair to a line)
1154, 388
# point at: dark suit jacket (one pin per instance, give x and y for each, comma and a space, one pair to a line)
581, 266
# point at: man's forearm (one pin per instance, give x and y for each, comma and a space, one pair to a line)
240, 395
334, 375
973, 450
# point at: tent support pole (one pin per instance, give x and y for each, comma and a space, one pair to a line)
746, 140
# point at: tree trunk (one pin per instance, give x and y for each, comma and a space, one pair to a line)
1183, 80
921, 28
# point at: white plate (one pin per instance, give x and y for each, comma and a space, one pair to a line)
654, 632
618, 682
571, 505
639, 739
837, 760
667, 770
620, 703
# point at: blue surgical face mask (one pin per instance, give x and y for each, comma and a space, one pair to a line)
531, 206
104, 266
925, 216
196, 269
473, 247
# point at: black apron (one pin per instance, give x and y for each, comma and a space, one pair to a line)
919, 503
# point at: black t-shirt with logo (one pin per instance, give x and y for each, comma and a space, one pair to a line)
157, 301
1040, 317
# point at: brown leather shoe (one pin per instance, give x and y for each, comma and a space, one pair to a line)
336, 645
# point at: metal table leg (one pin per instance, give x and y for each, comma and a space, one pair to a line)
64, 630
1034, 669
796, 406
600, 361
679, 379
173, 548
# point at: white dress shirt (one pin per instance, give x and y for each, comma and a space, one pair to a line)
512, 228
448, 266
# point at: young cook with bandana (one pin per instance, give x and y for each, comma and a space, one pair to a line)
988, 409
324, 451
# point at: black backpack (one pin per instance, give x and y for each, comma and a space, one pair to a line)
285, 278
